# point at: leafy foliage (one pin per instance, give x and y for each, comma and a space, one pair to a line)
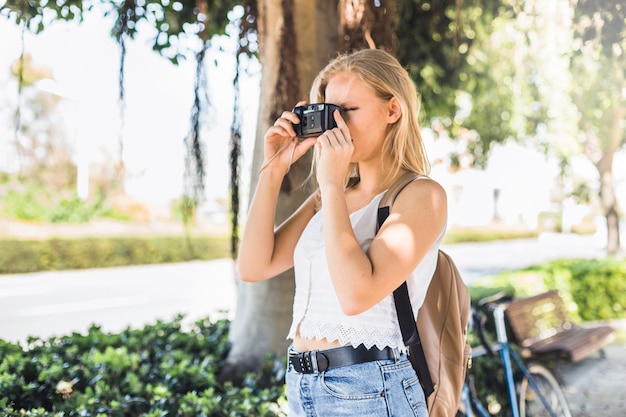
434, 39
462, 61
598, 62
37, 15
162, 369
598, 288
594, 289
173, 20
602, 21
33, 202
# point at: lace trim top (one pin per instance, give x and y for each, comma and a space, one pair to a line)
316, 310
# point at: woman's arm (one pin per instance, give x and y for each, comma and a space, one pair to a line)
361, 279
264, 251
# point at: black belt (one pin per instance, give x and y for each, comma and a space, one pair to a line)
320, 360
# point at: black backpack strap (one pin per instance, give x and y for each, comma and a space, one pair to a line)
411, 337
408, 327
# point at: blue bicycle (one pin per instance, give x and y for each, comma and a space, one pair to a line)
532, 390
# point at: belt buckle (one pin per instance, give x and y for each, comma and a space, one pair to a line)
304, 362
309, 362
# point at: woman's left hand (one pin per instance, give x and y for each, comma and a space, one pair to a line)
336, 150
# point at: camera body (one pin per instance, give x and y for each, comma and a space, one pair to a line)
314, 119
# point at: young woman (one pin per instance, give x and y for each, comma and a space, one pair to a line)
347, 356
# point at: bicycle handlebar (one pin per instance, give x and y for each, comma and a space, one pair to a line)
494, 300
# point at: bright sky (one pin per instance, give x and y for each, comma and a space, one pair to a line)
85, 64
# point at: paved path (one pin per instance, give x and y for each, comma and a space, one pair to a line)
60, 302
596, 386
476, 260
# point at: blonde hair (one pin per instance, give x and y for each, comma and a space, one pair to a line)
384, 74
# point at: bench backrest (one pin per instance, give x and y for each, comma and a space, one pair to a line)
536, 318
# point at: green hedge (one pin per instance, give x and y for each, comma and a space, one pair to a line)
594, 289
460, 235
155, 371
20, 256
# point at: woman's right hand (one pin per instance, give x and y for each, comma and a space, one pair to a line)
280, 140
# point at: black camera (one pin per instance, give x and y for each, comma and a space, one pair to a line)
314, 119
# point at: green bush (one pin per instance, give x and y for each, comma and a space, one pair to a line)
593, 289
32, 202
599, 288
23, 205
20, 256
155, 371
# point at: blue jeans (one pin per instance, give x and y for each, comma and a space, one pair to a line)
379, 388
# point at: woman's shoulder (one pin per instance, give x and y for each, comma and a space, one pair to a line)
427, 181
423, 190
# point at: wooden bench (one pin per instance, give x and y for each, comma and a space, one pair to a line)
540, 327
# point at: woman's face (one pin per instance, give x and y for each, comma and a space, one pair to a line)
366, 115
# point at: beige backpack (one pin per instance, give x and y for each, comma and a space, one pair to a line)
437, 343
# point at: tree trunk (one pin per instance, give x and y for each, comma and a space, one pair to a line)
609, 205
602, 153
607, 191
297, 38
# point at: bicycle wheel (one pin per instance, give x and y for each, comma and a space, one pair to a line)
530, 403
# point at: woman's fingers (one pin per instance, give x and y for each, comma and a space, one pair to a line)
336, 139
336, 149
285, 122
341, 125
279, 138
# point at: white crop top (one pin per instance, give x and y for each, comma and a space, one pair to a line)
316, 310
